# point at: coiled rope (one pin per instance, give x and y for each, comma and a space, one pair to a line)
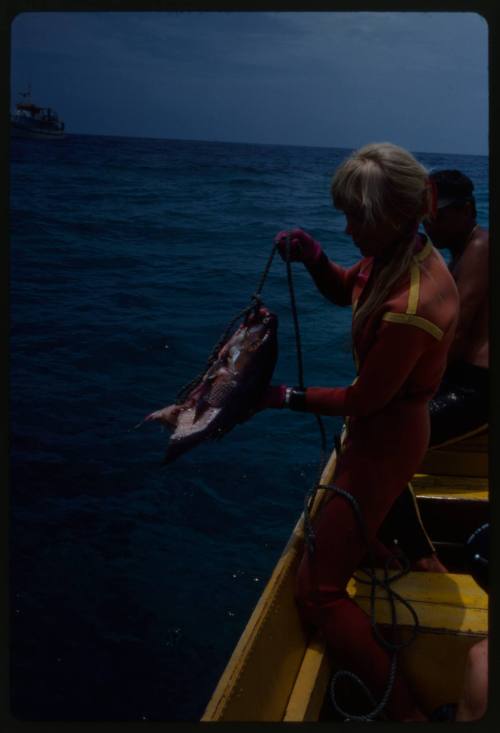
392, 597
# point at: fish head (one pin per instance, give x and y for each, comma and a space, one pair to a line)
259, 325
254, 346
258, 330
260, 315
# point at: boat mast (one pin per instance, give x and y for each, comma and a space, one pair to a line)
26, 96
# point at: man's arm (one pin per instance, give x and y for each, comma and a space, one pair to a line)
471, 276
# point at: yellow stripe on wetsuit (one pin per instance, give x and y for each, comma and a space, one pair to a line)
414, 293
414, 289
410, 316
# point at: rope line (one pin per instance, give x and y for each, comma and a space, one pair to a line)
378, 707
309, 497
255, 302
293, 304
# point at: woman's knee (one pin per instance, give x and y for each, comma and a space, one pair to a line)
314, 599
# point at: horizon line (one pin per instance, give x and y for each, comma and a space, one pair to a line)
282, 145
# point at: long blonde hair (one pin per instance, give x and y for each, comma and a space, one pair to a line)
384, 183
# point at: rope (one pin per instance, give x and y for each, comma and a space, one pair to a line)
293, 303
255, 303
392, 598
378, 707
309, 498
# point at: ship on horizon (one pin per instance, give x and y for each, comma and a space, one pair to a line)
30, 120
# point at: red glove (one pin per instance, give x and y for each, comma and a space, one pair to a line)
302, 247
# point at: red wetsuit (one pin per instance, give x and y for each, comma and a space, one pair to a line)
400, 356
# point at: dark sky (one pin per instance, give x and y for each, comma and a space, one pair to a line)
326, 79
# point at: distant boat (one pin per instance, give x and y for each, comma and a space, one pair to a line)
32, 121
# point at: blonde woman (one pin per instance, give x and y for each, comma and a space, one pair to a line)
405, 306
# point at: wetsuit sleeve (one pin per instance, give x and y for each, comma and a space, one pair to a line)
333, 281
383, 373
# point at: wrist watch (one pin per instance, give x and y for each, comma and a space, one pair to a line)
295, 399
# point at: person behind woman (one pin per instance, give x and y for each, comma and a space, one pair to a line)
405, 306
461, 404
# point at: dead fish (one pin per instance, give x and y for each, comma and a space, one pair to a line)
229, 391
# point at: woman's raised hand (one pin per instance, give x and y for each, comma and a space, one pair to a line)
302, 247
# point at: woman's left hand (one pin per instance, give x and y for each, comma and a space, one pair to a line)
298, 246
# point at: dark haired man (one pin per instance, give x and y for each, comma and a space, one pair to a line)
461, 403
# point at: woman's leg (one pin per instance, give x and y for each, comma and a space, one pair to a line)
323, 600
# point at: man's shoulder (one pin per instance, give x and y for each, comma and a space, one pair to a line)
472, 265
478, 246
480, 240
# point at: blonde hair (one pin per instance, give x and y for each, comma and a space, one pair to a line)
384, 183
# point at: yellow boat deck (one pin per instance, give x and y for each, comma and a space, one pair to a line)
453, 614
277, 673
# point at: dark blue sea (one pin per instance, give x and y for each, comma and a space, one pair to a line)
131, 582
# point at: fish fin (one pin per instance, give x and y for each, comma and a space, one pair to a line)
201, 406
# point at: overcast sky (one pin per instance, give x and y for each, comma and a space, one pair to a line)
324, 79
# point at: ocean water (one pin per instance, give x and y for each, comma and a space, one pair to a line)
131, 582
